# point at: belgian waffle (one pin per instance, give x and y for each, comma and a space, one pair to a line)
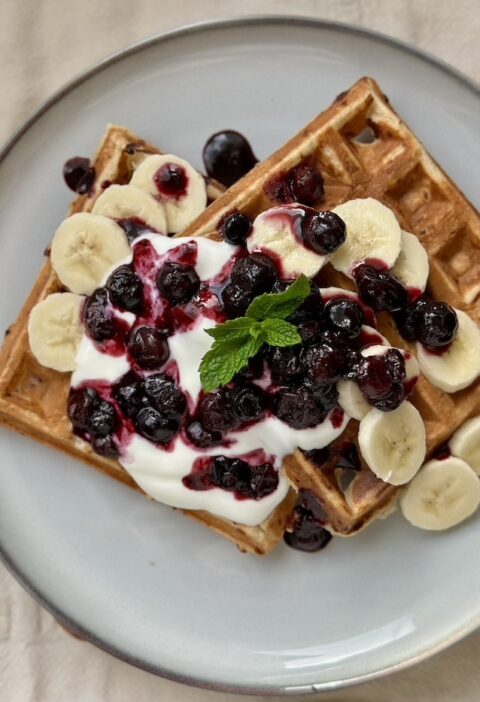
33, 398
363, 149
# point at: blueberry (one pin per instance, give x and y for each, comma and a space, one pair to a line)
178, 283
228, 156
255, 274
285, 363
307, 184
133, 228
325, 393
148, 347
323, 232
235, 228
298, 408
102, 419
236, 300
230, 474
164, 395
324, 362
171, 180
435, 324
79, 175
216, 411
129, 395
379, 290
263, 481
377, 374
345, 316
155, 426
248, 403
253, 370
125, 289
80, 405
392, 399
308, 533
97, 317
202, 437
105, 446
310, 330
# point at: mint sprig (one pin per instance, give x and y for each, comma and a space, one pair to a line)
239, 339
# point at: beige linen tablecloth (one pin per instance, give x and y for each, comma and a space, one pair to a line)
45, 43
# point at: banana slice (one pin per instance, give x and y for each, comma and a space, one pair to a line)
351, 400
393, 443
465, 443
184, 195
128, 201
84, 248
411, 267
55, 330
442, 495
372, 233
459, 365
277, 232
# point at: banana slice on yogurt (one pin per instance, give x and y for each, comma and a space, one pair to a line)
373, 233
55, 330
130, 202
84, 248
443, 494
176, 184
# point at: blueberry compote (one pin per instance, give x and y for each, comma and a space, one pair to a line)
307, 532
302, 184
228, 156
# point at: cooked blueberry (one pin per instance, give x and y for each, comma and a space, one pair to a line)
345, 316
235, 228
164, 395
325, 393
253, 369
105, 446
216, 411
125, 288
230, 474
313, 303
285, 363
149, 347
171, 180
263, 481
202, 437
129, 396
377, 374
228, 156
323, 232
236, 300
310, 330
323, 362
155, 426
79, 175
102, 419
306, 184
392, 399
80, 405
280, 286
97, 317
436, 323
255, 273
298, 408
177, 282
248, 402
133, 227
308, 533
379, 290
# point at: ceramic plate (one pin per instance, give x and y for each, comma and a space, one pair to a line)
134, 577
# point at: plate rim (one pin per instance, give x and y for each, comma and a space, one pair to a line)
69, 623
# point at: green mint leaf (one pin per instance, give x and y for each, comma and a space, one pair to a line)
278, 332
232, 329
224, 359
280, 305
